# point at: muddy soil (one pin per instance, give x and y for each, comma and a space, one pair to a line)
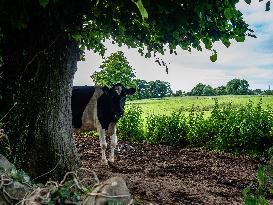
159, 174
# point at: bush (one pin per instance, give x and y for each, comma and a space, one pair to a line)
130, 126
247, 129
170, 130
238, 129
199, 132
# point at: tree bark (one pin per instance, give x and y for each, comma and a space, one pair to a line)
37, 84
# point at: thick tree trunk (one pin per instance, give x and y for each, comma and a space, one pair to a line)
39, 91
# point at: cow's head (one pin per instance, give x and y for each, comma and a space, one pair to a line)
117, 95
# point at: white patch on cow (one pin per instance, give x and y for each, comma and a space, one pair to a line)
114, 141
103, 145
90, 114
118, 89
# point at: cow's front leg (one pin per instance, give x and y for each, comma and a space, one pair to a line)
103, 145
114, 141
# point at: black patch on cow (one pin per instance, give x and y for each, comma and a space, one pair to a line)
111, 105
81, 95
110, 108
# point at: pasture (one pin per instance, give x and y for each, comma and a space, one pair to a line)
185, 104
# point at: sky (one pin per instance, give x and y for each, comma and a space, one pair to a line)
251, 60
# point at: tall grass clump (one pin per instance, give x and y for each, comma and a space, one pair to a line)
130, 126
167, 129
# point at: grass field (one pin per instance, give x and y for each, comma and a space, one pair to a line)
185, 104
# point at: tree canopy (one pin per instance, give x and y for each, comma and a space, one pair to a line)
115, 69
182, 23
237, 87
153, 89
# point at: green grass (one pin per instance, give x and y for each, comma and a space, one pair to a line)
185, 104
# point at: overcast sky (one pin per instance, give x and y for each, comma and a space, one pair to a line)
251, 60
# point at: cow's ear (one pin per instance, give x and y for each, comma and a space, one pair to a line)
130, 91
105, 89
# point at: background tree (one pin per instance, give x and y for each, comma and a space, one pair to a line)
115, 69
143, 89
198, 89
237, 87
255, 92
208, 91
42, 40
159, 89
179, 93
221, 90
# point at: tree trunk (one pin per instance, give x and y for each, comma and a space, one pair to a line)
37, 84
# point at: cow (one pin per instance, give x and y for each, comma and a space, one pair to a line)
99, 108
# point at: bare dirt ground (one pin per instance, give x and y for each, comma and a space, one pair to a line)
159, 174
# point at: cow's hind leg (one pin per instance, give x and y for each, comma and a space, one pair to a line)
114, 141
103, 145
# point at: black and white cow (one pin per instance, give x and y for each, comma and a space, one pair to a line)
99, 108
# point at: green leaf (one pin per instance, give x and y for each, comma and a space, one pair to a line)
213, 57
141, 8
261, 176
208, 43
240, 38
44, 3
226, 42
248, 1
271, 191
229, 13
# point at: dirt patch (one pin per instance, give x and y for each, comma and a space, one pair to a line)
160, 174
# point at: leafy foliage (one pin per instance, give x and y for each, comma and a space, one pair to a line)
115, 69
130, 126
153, 89
257, 195
163, 129
186, 24
237, 87
244, 129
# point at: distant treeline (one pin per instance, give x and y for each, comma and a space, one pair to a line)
153, 89
159, 89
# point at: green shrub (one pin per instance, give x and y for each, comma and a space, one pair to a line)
130, 126
238, 129
164, 129
199, 132
247, 129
